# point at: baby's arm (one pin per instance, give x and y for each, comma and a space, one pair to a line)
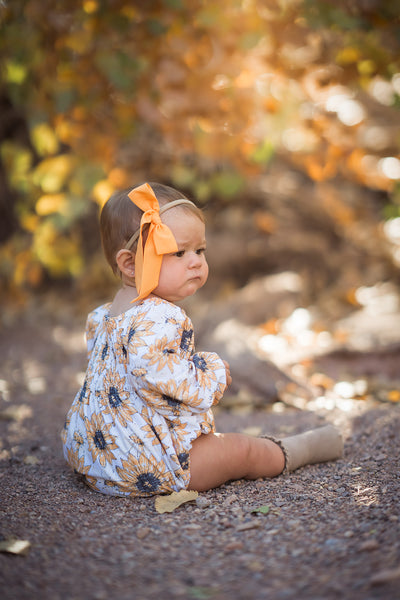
228, 373
168, 376
183, 385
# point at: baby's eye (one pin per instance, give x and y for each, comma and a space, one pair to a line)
180, 253
200, 251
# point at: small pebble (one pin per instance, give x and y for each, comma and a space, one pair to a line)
348, 534
332, 542
369, 545
380, 457
385, 576
142, 532
230, 499
248, 525
235, 545
203, 502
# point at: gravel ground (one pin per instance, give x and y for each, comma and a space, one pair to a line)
330, 531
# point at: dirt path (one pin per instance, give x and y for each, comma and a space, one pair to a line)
330, 531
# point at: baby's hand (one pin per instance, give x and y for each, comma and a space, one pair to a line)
228, 373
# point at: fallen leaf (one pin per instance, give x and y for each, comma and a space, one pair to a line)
255, 566
15, 546
200, 593
170, 503
16, 413
264, 510
31, 460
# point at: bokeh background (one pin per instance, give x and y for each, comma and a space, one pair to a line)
280, 117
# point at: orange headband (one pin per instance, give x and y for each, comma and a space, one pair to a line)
160, 239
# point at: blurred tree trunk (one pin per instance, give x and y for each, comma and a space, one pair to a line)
12, 127
8, 219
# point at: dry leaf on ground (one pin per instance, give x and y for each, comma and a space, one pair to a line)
31, 460
264, 510
16, 413
170, 503
15, 546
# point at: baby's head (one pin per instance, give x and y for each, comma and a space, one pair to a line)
120, 219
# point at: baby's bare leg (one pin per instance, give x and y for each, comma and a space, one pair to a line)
216, 458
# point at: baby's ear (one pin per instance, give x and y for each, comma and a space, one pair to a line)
126, 262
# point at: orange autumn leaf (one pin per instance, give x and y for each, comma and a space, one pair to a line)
394, 395
265, 221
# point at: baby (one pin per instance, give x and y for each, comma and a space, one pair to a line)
142, 421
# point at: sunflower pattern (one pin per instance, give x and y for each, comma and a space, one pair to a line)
146, 475
100, 442
162, 354
115, 398
167, 398
76, 462
82, 398
146, 396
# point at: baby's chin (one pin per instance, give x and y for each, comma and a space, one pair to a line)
187, 293
197, 285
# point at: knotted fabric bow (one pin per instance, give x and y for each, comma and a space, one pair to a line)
160, 241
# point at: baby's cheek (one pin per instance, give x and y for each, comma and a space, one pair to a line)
205, 271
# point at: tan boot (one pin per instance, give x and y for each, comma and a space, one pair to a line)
314, 446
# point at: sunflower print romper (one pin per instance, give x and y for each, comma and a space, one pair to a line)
146, 396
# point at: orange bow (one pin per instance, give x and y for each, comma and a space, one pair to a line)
160, 241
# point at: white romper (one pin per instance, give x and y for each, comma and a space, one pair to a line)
146, 396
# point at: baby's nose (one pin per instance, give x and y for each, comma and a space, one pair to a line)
195, 259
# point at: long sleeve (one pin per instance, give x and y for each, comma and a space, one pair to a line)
172, 378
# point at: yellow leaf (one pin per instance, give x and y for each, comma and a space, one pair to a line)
102, 191
394, 396
50, 203
90, 6
15, 546
31, 460
170, 503
15, 72
79, 41
58, 253
348, 55
52, 173
29, 222
44, 139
